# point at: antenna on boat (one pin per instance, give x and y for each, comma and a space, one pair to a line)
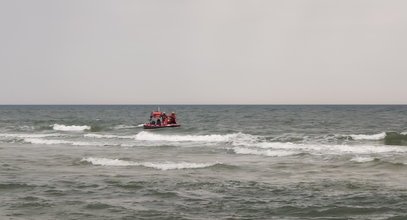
158, 107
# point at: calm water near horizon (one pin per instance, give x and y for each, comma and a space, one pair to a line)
224, 162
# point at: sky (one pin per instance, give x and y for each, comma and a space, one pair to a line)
203, 52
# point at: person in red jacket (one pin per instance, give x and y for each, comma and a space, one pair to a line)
164, 118
172, 117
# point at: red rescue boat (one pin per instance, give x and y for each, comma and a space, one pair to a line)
161, 120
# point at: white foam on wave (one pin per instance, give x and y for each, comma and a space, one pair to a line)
127, 126
235, 137
45, 141
109, 162
379, 136
328, 149
29, 135
269, 153
177, 166
59, 127
155, 165
360, 159
57, 142
108, 136
26, 128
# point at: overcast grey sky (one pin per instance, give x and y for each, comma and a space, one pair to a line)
203, 52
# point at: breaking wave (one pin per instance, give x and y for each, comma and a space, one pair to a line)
59, 127
269, 153
390, 138
44, 141
395, 138
155, 165
379, 136
235, 137
29, 135
285, 149
108, 136
360, 159
56, 142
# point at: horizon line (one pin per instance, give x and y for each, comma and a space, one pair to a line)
333, 104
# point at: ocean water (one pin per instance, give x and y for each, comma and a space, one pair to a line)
224, 162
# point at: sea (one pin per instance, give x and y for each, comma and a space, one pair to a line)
224, 162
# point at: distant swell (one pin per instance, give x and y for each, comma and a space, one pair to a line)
395, 138
59, 127
155, 165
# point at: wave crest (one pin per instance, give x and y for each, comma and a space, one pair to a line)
362, 159
56, 142
107, 136
59, 127
118, 127
379, 136
269, 153
395, 138
28, 135
154, 165
285, 149
235, 137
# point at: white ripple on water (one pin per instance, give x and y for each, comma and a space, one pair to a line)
155, 165
152, 137
30, 135
127, 126
59, 127
362, 159
109, 136
323, 149
58, 142
22, 137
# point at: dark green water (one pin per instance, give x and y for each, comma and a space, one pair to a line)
225, 162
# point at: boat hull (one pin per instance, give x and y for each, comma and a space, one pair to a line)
153, 126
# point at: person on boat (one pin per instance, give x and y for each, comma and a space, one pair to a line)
158, 122
164, 116
173, 117
151, 116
